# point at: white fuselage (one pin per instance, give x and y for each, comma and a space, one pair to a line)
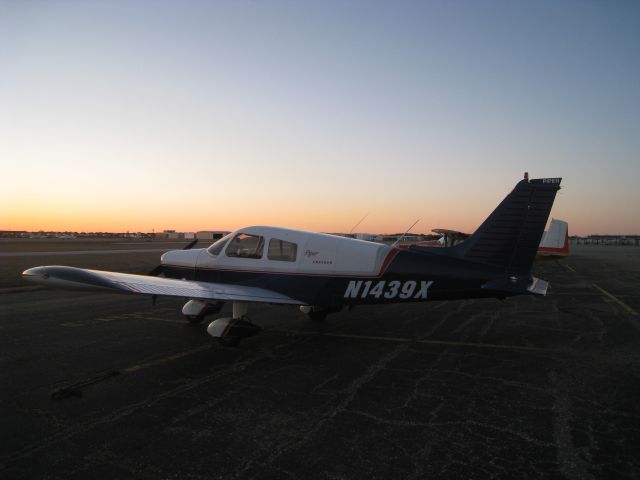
316, 253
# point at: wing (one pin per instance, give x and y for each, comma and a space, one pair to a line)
79, 278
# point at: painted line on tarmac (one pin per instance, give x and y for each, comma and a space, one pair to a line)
523, 348
138, 316
75, 389
565, 266
80, 252
629, 310
177, 244
166, 320
160, 361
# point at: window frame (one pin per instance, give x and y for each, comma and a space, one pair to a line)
281, 258
220, 244
258, 251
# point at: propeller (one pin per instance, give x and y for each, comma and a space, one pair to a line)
190, 245
158, 269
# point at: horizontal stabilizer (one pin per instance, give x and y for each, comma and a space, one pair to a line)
518, 285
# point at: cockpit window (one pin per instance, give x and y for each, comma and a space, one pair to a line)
282, 250
245, 246
217, 247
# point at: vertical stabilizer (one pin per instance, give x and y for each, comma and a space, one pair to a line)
510, 236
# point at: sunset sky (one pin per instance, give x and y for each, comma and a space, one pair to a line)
141, 115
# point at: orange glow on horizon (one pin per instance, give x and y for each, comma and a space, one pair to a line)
328, 221
81, 221
92, 208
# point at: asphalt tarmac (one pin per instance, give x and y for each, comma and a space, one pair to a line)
109, 386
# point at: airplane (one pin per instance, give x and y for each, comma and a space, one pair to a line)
447, 238
555, 241
322, 273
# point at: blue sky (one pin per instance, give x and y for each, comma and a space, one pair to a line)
195, 115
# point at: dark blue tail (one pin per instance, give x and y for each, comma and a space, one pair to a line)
510, 236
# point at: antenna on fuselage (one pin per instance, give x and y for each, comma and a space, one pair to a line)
354, 227
403, 235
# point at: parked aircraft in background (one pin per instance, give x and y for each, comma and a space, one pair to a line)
323, 273
555, 241
448, 238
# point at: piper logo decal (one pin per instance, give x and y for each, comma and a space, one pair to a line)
392, 289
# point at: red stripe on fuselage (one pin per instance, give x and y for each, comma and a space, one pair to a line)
387, 261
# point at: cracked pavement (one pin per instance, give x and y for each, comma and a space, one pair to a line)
529, 388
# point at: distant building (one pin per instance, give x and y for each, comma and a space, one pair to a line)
14, 234
366, 236
164, 235
606, 240
210, 234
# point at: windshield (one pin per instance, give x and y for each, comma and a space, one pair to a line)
217, 247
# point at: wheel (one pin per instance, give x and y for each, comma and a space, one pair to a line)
194, 319
229, 341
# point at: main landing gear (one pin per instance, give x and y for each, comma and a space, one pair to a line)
195, 310
228, 330
231, 331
